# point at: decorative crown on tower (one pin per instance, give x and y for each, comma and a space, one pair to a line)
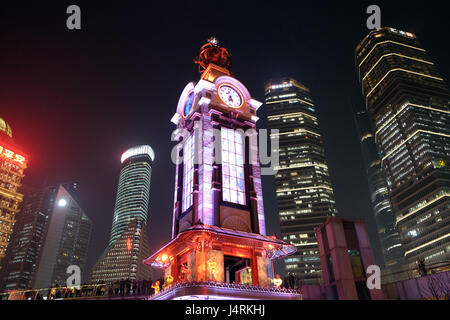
212, 52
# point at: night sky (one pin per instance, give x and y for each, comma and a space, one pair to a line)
77, 99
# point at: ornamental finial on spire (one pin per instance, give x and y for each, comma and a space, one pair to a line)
211, 52
213, 41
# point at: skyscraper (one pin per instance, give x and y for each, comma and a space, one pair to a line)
303, 187
128, 244
13, 162
219, 234
389, 237
133, 191
22, 257
66, 242
408, 105
30, 231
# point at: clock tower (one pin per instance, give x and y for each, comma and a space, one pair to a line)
219, 247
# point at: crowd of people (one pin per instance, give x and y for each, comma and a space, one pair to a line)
124, 287
290, 282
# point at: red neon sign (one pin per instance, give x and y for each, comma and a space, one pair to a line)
129, 244
4, 152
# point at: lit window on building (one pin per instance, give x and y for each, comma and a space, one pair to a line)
188, 172
232, 166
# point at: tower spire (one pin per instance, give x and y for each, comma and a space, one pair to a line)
213, 41
212, 52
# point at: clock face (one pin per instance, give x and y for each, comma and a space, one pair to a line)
188, 105
230, 96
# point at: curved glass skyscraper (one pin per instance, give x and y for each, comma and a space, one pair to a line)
128, 245
133, 191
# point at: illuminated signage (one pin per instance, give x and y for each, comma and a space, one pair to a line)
4, 152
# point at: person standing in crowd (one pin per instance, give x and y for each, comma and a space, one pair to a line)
103, 289
128, 286
134, 286
149, 286
116, 287
291, 280
58, 292
139, 287
144, 286
122, 287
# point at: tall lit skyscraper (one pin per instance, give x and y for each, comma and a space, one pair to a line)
134, 189
388, 234
30, 231
303, 187
67, 239
13, 163
27, 239
128, 245
408, 105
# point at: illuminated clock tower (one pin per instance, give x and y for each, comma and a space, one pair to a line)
219, 247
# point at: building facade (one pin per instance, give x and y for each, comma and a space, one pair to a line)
391, 246
128, 244
408, 104
27, 239
30, 230
305, 196
67, 239
13, 162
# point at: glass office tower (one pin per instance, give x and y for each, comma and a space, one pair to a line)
133, 191
303, 187
128, 245
27, 239
67, 239
30, 232
408, 104
393, 254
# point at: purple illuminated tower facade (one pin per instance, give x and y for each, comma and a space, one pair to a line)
219, 246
